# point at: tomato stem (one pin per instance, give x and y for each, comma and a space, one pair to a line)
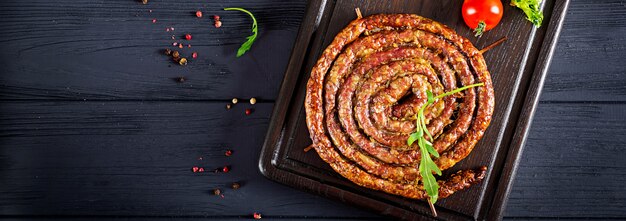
480, 29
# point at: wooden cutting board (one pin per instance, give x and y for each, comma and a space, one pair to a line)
518, 69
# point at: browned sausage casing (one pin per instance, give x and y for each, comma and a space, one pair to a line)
368, 84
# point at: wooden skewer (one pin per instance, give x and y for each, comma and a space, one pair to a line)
306, 149
432, 208
492, 45
358, 13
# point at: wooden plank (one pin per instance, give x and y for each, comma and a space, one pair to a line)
111, 50
573, 164
588, 62
135, 159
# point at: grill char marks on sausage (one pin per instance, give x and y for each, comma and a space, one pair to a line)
368, 84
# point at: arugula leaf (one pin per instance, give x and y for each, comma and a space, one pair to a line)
250, 39
531, 9
427, 166
412, 138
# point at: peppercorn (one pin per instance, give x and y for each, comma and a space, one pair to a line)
248, 111
188, 37
201, 170
235, 100
256, 215
199, 14
216, 17
194, 55
217, 192
252, 100
235, 186
225, 169
194, 169
228, 153
218, 24
180, 45
175, 54
144, 1
183, 61
228, 106
168, 51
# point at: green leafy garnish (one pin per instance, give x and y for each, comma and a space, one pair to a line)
478, 31
531, 9
250, 39
427, 166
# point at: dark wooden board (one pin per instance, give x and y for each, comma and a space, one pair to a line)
583, 87
520, 64
557, 165
111, 50
71, 158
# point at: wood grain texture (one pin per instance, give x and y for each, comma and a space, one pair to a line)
588, 65
109, 50
573, 164
119, 158
135, 158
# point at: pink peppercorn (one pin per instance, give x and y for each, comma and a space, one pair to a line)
194, 55
199, 14
188, 37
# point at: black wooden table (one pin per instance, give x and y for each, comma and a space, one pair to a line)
92, 123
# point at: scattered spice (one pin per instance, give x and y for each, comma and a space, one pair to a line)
199, 158
222, 195
175, 44
235, 100
172, 28
235, 185
175, 54
252, 100
180, 46
218, 24
216, 17
225, 169
153, 20
201, 169
144, 1
189, 46
228, 106
180, 79
199, 14
188, 37
168, 51
249, 111
217, 192
256, 215
228, 153
173, 37
195, 169
194, 55
182, 61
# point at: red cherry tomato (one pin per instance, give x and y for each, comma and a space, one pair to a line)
482, 15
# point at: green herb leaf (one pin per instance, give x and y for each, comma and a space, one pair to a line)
250, 39
412, 138
430, 97
531, 9
428, 179
427, 166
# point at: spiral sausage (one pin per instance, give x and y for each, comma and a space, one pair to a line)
367, 86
